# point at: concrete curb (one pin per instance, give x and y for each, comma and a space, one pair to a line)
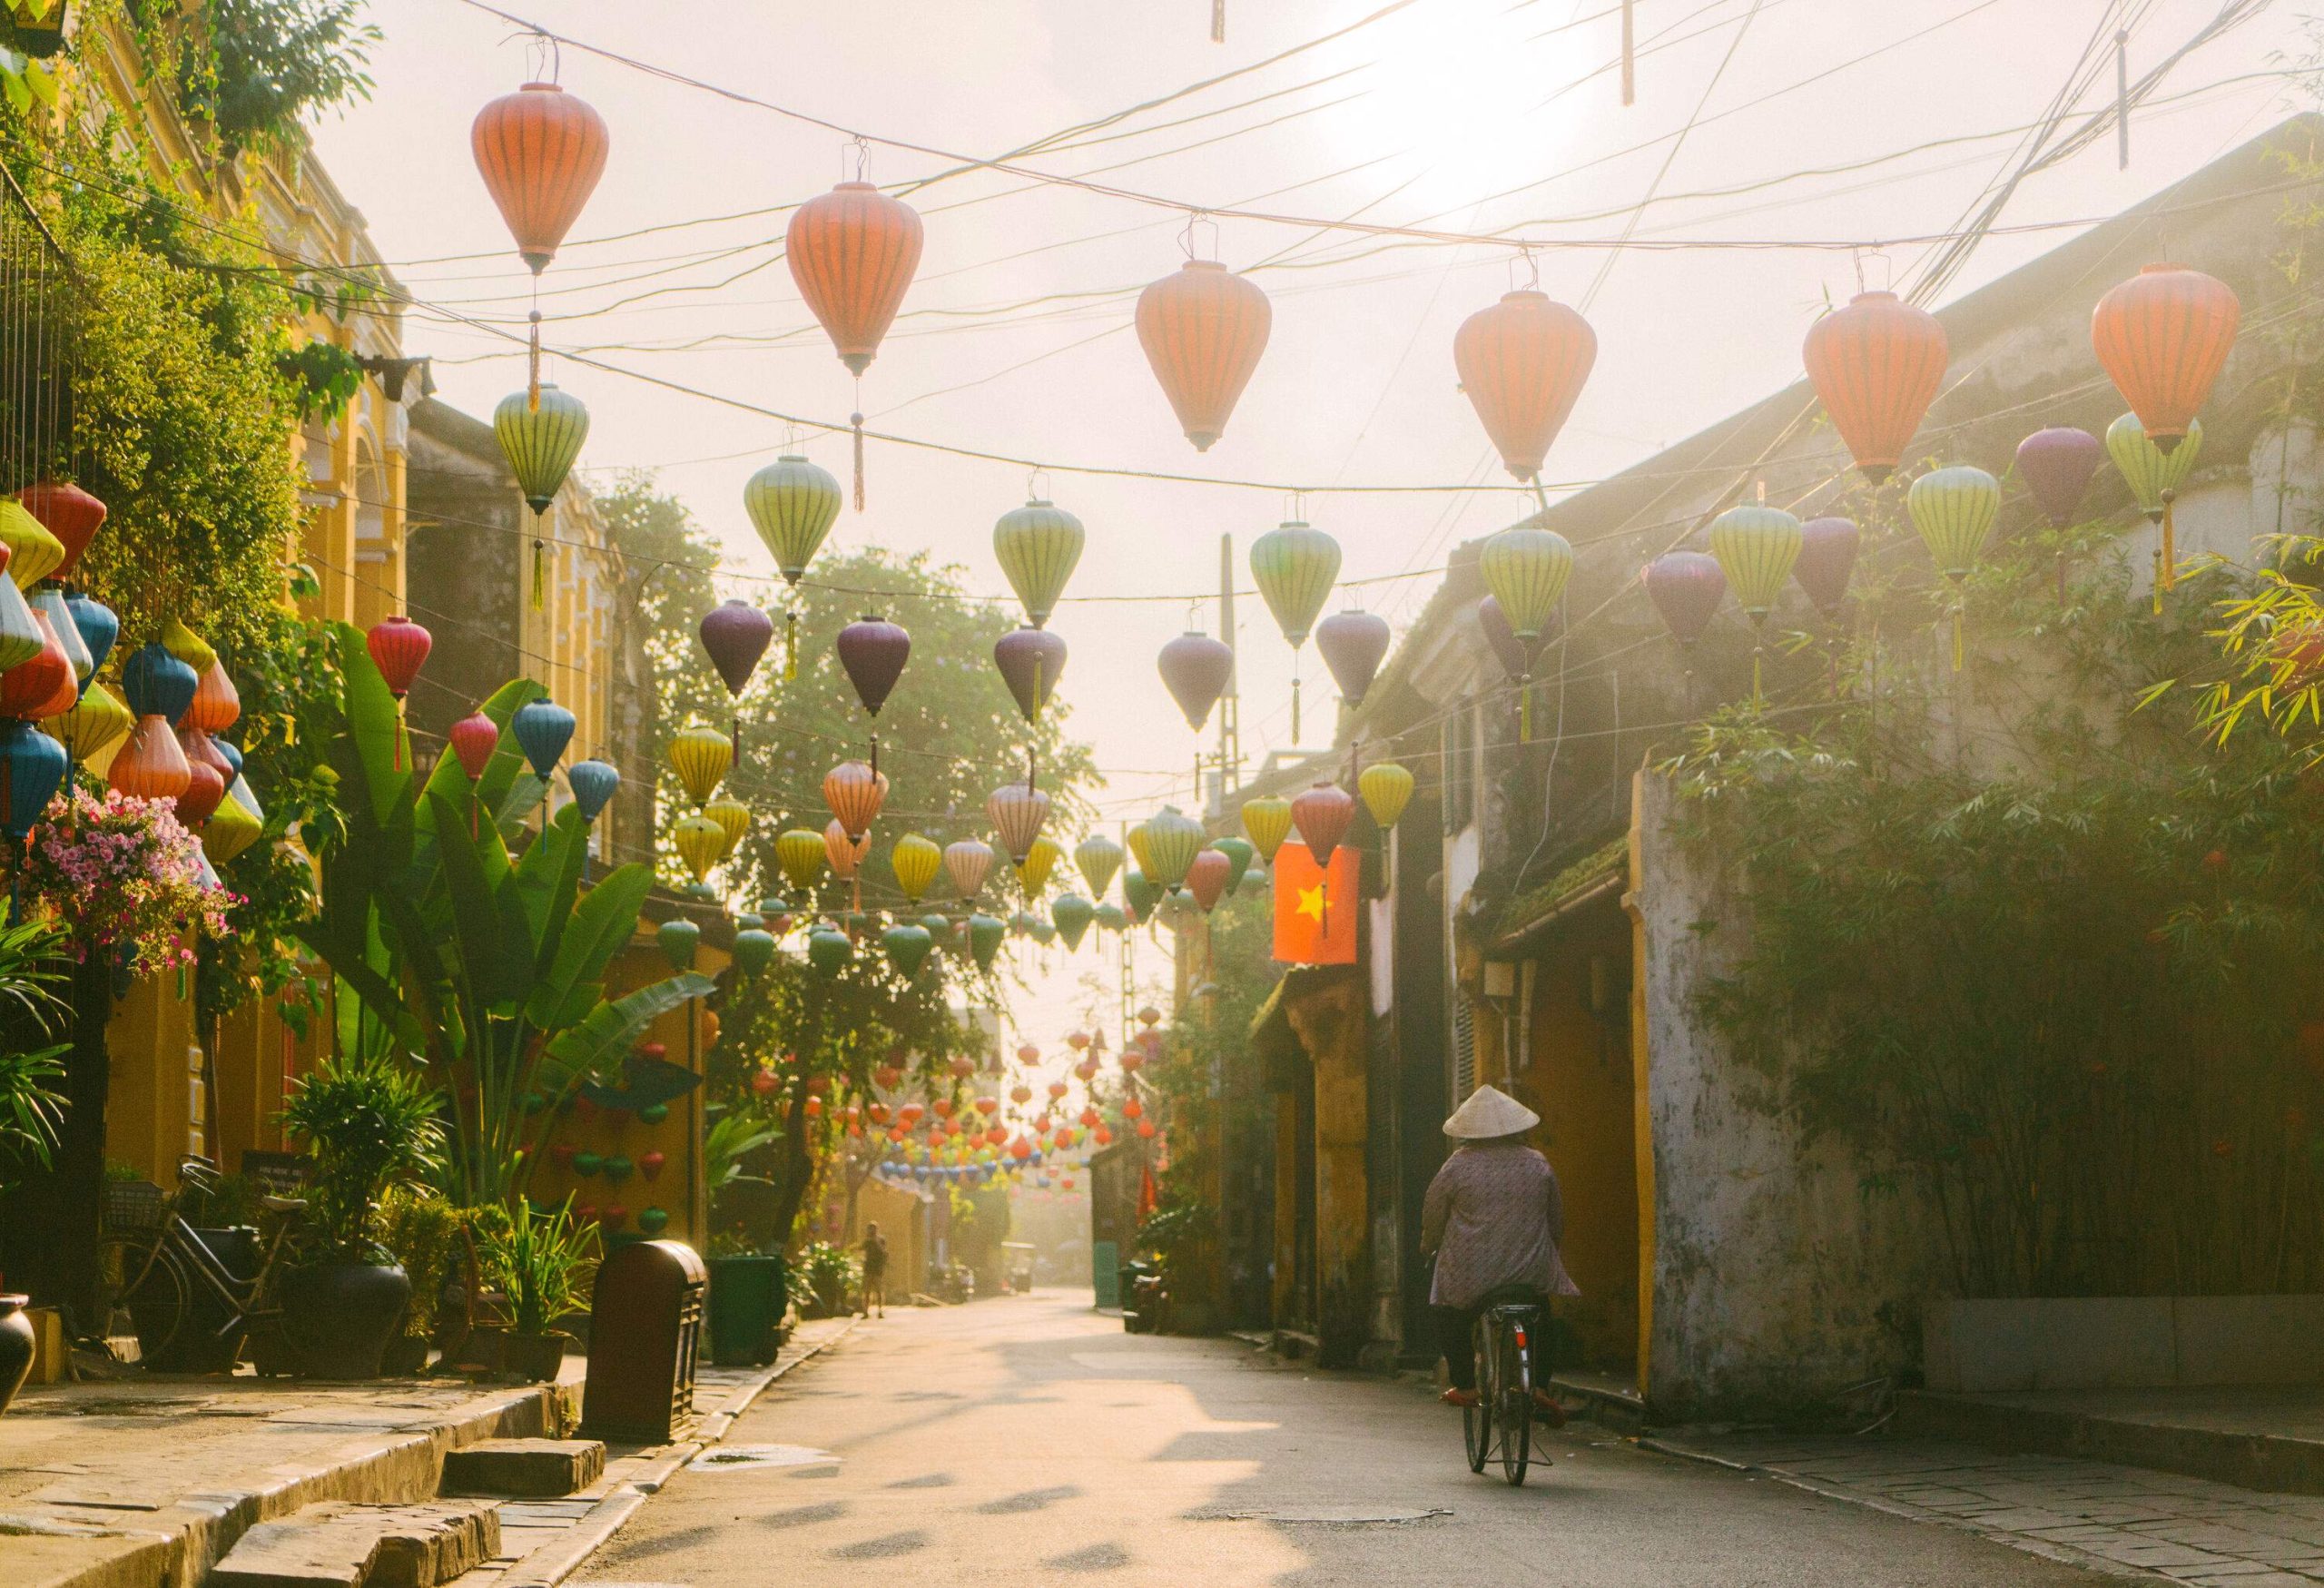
2271, 1463
551, 1563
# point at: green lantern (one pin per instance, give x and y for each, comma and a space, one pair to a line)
1037, 546
1100, 857
986, 934
939, 925
1239, 853
828, 950
1526, 568
2154, 477
1021, 923
753, 950
1173, 839
1110, 917
587, 1164
1756, 546
1072, 913
793, 505
1255, 880
1139, 893
1954, 509
540, 438
1294, 565
1043, 932
678, 938
907, 948
652, 1114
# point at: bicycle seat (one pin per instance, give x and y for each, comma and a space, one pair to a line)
282, 1204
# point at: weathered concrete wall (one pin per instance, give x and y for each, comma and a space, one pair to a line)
1775, 1279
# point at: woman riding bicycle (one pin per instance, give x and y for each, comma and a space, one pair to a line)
1492, 1218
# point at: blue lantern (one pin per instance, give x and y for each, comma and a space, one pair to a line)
594, 783
543, 729
31, 766
233, 755
98, 625
156, 683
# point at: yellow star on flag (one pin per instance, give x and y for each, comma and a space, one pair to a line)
1311, 904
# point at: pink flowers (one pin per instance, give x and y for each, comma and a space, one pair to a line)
123, 875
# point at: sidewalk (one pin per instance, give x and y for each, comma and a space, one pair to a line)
2257, 1438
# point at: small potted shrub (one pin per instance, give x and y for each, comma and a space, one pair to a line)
423, 1232
829, 1272
369, 1125
545, 1263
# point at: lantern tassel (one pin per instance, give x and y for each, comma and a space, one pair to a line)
540, 573
1758, 699
875, 752
1218, 22
2154, 585
1960, 648
734, 731
856, 421
533, 361
399, 733
2169, 544
1294, 697
791, 645
1525, 712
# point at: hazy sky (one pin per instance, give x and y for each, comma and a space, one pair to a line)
1420, 118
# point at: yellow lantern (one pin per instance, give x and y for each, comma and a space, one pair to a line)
800, 854
1138, 852
914, 860
734, 820
1386, 789
1954, 509
700, 842
701, 757
2154, 477
1267, 820
1041, 858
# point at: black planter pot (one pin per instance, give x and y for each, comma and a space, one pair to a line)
17, 1347
535, 1358
747, 1299
339, 1316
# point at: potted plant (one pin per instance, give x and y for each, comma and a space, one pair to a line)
829, 1271
422, 1231
545, 1263
370, 1125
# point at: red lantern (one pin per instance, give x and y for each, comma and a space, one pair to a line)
988, 1107
399, 646
67, 512
762, 1081
1207, 878
997, 1135
1090, 1116
1132, 1060
960, 1064
206, 778
814, 1108
474, 739
29, 688
1020, 1094
2164, 337
1132, 1109
853, 251
1057, 1088
1102, 1136
1203, 330
1523, 363
1146, 1130
650, 1164
1877, 364
540, 151
1321, 815
943, 1106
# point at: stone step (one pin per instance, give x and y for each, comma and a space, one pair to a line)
525, 1469
339, 1544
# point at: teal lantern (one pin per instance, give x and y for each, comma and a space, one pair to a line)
986, 934
1072, 913
907, 948
753, 950
829, 951
677, 938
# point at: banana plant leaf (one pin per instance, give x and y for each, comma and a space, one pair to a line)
645, 1083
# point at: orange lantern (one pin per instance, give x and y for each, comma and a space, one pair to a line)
1877, 364
1203, 330
844, 854
149, 763
855, 793
540, 151
2163, 336
217, 704
853, 251
1523, 362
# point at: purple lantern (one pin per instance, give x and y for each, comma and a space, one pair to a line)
873, 652
1354, 645
1686, 587
1827, 557
736, 634
1516, 658
1029, 659
1195, 670
2058, 464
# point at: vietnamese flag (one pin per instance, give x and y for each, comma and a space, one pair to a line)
1314, 906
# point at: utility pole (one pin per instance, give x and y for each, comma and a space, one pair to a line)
1230, 708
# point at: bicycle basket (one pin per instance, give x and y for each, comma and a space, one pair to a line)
132, 1204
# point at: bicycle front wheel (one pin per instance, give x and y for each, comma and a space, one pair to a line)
1515, 1384
1476, 1421
143, 1298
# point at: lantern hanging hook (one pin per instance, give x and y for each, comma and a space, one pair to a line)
861, 148
541, 49
1531, 266
1036, 485
1186, 234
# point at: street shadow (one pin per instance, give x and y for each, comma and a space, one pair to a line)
1096, 1557
801, 1515
1030, 1500
911, 1542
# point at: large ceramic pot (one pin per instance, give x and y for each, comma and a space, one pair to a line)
535, 1358
339, 1316
17, 1347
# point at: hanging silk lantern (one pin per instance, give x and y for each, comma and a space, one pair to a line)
986, 934
542, 730
792, 504
907, 948
844, 854
701, 843
593, 783
232, 829
1354, 645
149, 765
1203, 329
734, 820
2057, 465
855, 793
1098, 857
1526, 568
205, 780
156, 683
1267, 820
753, 951
99, 627
217, 704
540, 437
21, 636
1954, 509
30, 688
540, 152
915, 861
474, 739
853, 251
1295, 566
1321, 815
2163, 338
800, 854
873, 652
1037, 546
1135, 836
1072, 915
734, 635
828, 952
1110, 917
1386, 789
1239, 855
67, 512
188, 646
31, 768
1516, 656
1172, 841
1523, 363
48, 600
1877, 364
1031, 661
2154, 477
1686, 587
1207, 878
1828, 549
967, 863
398, 648
1139, 895
700, 756
1016, 811
1757, 547
95, 721
1041, 859
1195, 670
34, 553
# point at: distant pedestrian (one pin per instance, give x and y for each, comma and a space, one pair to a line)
1494, 1219
875, 1270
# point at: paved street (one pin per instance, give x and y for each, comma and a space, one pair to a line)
1031, 1440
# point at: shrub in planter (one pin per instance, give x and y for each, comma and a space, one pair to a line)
424, 1233
829, 1272
545, 1263
370, 1125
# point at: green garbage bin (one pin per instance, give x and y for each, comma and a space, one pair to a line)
1105, 1273
748, 1297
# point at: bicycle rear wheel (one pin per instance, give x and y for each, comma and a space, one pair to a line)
1514, 1383
1476, 1421
142, 1300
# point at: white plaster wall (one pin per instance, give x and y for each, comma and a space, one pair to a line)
1775, 1280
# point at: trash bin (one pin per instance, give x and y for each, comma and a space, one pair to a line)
748, 1297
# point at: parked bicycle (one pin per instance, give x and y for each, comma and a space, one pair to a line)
164, 1292
1501, 1425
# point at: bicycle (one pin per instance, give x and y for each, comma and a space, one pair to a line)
156, 1280
1502, 1421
